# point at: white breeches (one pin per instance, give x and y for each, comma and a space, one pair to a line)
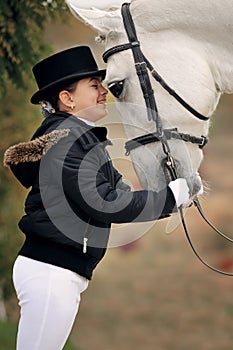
49, 299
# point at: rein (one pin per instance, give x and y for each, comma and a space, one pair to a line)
142, 66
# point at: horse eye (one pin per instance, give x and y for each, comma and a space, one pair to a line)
116, 88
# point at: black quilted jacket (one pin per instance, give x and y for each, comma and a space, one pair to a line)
75, 194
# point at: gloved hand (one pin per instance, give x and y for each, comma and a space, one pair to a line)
180, 191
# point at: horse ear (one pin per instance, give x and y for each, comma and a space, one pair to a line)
98, 4
101, 16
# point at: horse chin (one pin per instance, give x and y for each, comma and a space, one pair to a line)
195, 185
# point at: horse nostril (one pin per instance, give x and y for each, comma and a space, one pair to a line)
116, 88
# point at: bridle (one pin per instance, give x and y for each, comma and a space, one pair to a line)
142, 66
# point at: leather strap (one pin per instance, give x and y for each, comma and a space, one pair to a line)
169, 134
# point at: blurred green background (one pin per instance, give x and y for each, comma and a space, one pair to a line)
152, 294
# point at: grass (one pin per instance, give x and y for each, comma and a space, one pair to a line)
8, 332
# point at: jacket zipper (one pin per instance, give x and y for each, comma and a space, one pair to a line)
85, 237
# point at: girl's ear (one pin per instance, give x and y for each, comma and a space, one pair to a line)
66, 99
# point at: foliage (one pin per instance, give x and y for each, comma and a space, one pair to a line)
8, 334
21, 32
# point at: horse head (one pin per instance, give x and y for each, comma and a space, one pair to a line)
190, 45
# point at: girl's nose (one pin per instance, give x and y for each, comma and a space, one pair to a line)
103, 91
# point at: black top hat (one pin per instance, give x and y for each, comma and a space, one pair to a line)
64, 67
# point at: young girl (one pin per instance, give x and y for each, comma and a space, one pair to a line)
75, 195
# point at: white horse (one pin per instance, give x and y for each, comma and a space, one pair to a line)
190, 44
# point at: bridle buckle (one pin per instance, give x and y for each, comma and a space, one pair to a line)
204, 142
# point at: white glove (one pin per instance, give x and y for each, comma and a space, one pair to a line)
180, 191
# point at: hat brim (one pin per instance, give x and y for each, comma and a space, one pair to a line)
43, 92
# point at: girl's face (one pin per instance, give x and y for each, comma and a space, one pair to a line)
89, 99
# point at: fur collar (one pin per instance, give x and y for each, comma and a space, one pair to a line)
32, 151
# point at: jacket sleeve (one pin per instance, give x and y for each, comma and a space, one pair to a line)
119, 184
85, 183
